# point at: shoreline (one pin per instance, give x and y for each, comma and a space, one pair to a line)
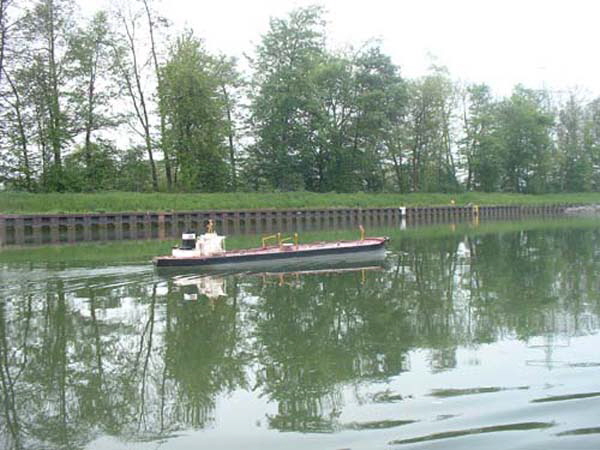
18, 229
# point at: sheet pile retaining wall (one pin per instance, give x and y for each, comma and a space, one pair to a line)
20, 229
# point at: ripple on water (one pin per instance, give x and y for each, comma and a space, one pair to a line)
443, 393
580, 431
378, 425
389, 397
560, 398
522, 426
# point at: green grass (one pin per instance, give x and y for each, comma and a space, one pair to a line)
23, 203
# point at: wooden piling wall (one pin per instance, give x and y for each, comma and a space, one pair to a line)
56, 228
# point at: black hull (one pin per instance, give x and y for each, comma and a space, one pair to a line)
283, 257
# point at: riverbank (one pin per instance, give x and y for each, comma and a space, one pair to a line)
17, 229
109, 202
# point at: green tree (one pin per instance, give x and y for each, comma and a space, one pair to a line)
431, 102
230, 83
322, 121
154, 21
576, 169
132, 171
482, 156
195, 112
592, 141
280, 98
131, 67
47, 27
101, 157
328, 163
524, 126
4, 5
18, 164
91, 52
381, 103
353, 101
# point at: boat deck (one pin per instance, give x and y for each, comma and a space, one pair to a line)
285, 248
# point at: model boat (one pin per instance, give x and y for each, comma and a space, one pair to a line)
207, 251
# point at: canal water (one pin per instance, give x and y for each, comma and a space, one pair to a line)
463, 338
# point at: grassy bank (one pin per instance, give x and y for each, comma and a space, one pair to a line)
22, 203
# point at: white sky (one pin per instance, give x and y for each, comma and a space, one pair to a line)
551, 44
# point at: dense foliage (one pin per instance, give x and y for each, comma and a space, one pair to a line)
112, 103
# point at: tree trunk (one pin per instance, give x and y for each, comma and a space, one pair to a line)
89, 123
21, 129
160, 98
397, 170
3, 28
139, 102
54, 108
230, 139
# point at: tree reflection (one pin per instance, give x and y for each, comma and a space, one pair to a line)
203, 357
128, 356
319, 333
10, 370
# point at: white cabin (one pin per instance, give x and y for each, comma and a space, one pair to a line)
207, 244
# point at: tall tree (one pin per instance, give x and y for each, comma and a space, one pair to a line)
131, 68
17, 135
47, 26
328, 163
576, 169
93, 90
230, 82
479, 148
592, 141
154, 20
431, 102
524, 126
381, 105
195, 112
4, 5
280, 95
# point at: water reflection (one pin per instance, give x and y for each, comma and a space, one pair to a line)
203, 358
317, 334
212, 287
85, 353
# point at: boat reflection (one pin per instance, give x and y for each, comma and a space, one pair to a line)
210, 286
213, 286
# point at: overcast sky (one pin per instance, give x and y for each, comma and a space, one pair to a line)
551, 44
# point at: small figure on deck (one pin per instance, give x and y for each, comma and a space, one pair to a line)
210, 226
